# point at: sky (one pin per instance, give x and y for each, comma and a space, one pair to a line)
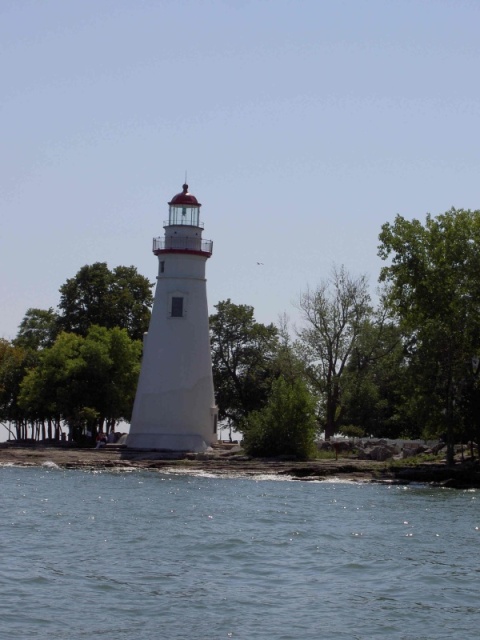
303, 126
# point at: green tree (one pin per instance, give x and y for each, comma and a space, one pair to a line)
434, 291
97, 296
374, 382
14, 362
243, 358
38, 329
286, 425
50, 390
88, 382
287, 361
333, 316
113, 359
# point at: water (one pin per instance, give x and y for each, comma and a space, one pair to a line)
146, 555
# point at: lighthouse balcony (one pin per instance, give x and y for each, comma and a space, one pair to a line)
185, 244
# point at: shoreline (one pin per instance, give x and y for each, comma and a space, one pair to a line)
460, 476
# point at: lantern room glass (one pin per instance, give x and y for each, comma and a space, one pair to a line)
182, 214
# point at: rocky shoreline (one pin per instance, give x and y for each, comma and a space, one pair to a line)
462, 476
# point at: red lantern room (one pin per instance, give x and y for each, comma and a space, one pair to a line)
184, 209
183, 229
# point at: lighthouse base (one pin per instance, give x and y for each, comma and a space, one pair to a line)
167, 441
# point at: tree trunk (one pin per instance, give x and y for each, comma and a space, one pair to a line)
330, 422
450, 436
332, 406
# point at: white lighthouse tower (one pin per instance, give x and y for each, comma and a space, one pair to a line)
175, 406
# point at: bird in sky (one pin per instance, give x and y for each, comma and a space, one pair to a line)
260, 263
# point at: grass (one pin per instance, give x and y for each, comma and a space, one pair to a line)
330, 455
416, 460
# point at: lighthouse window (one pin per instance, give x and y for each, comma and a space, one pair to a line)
177, 307
162, 266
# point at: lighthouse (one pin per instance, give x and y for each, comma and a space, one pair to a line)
174, 405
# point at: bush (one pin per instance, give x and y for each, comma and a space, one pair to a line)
352, 431
285, 426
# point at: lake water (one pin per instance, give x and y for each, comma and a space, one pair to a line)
146, 555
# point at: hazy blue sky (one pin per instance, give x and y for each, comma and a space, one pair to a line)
303, 125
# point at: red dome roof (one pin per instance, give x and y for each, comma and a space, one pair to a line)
185, 198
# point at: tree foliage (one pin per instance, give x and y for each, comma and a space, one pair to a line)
333, 316
286, 425
243, 358
14, 362
97, 296
433, 280
38, 329
79, 366
375, 382
88, 382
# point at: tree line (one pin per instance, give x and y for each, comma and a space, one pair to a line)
405, 365
78, 366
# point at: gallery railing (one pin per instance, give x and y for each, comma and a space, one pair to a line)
182, 245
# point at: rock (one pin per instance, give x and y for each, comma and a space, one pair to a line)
410, 450
233, 451
342, 445
381, 453
363, 454
437, 448
334, 445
